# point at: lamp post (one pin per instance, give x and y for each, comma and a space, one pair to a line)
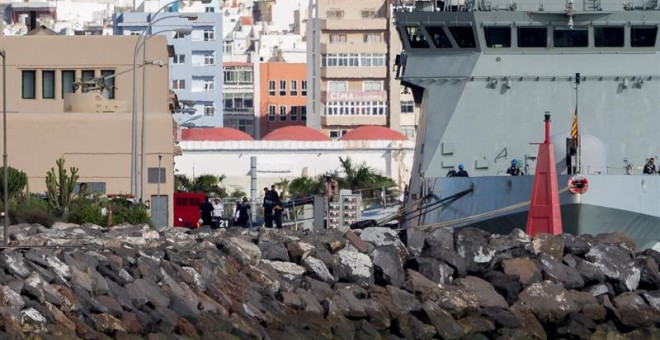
5, 179
141, 43
157, 206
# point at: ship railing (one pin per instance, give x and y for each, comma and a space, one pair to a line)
631, 5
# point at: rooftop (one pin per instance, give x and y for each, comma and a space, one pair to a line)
214, 134
298, 133
371, 132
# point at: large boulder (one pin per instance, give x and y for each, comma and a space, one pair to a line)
354, 267
388, 269
548, 301
617, 264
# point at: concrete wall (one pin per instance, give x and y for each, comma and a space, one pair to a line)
39, 131
277, 160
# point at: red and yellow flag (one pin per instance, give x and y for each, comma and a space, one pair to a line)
574, 128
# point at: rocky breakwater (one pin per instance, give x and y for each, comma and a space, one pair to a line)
133, 282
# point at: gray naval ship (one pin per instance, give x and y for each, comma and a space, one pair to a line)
486, 72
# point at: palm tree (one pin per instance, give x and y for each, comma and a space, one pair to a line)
363, 178
283, 185
208, 184
305, 186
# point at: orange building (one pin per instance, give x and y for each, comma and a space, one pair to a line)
283, 95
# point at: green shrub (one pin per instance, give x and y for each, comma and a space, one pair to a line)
31, 209
86, 210
17, 180
123, 211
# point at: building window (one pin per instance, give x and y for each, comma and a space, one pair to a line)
227, 47
336, 134
178, 84
407, 106
303, 88
209, 9
87, 75
209, 35
366, 108
238, 75
294, 87
48, 84
179, 35
209, 59
294, 113
271, 88
337, 86
109, 78
271, 113
238, 102
282, 113
334, 14
156, 175
209, 85
209, 110
372, 38
29, 84
372, 85
68, 78
179, 59
337, 38
353, 60
282, 87
303, 113
368, 14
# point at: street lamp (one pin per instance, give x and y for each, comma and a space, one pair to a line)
142, 36
5, 179
141, 43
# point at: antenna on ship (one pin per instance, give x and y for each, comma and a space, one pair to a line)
575, 130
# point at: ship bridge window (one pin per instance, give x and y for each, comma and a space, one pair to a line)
440, 39
571, 36
643, 36
497, 36
463, 35
608, 36
416, 37
532, 37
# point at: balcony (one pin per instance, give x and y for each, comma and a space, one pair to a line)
354, 72
352, 120
354, 48
354, 24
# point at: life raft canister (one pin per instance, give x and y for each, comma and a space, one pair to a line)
578, 185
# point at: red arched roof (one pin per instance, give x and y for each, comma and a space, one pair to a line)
371, 132
214, 134
297, 132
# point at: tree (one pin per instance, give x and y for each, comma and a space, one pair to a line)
208, 184
305, 186
16, 182
363, 178
283, 185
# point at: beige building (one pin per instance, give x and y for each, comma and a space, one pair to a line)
351, 50
92, 131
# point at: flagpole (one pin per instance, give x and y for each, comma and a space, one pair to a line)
579, 140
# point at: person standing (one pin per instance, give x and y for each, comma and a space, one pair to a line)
218, 211
268, 208
514, 169
461, 171
206, 211
243, 213
649, 168
277, 214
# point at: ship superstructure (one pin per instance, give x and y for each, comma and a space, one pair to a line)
485, 73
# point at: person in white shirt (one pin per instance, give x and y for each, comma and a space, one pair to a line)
218, 208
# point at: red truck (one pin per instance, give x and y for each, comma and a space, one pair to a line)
186, 208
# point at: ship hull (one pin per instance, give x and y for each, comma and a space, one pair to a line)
498, 204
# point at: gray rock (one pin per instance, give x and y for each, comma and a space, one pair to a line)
15, 264
274, 251
289, 271
349, 305
388, 269
318, 288
317, 269
310, 303
550, 245
377, 314
617, 264
414, 239
600, 289
548, 301
298, 251
506, 285
650, 276
590, 272
484, 291
12, 299
448, 256
354, 267
578, 245
527, 270
653, 299
474, 246
245, 252
560, 273
632, 311
431, 268
142, 291
443, 322
441, 237
403, 300
408, 326
380, 236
